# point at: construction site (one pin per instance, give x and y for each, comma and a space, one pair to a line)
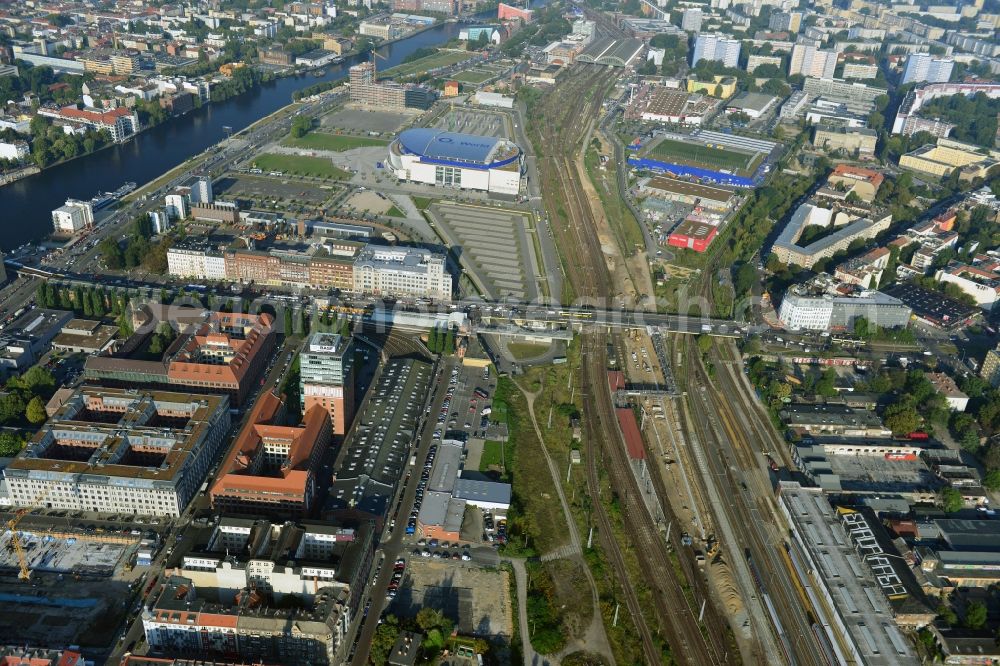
36, 564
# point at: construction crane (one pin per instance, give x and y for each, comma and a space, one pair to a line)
376, 54
15, 539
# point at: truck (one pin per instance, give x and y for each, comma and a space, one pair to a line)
706, 328
413, 460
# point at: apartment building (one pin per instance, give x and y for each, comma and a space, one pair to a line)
926, 68
716, 47
980, 279
809, 60
326, 378
848, 228
121, 451
121, 122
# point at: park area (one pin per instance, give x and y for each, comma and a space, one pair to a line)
299, 165
428, 63
702, 156
333, 142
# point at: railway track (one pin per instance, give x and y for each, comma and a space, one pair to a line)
738, 468
678, 613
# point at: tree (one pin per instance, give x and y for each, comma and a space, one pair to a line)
704, 343
301, 126
449, 342
12, 407
950, 500
35, 411
901, 419
429, 618
992, 480
946, 614
36, 381
288, 322
11, 444
384, 640
861, 327
975, 615
111, 254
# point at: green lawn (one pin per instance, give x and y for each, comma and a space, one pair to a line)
492, 455
335, 142
421, 65
700, 155
526, 350
394, 212
422, 203
473, 76
300, 165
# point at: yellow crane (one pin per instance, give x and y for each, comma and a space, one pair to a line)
15, 539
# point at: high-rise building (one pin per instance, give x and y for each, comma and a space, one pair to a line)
785, 22
990, 370
810, 61
72, 217
177, 206
925, 68
716, 47
160, 220
691, 19
201, 190
326, 371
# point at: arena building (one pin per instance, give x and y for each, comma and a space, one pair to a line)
450, 159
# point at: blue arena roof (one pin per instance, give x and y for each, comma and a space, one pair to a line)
449, 146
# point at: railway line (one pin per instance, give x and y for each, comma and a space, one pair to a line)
721, 416
690, 642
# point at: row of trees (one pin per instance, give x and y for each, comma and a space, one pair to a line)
441, 341
94, 302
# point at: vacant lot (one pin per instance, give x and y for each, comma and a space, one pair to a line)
363, 120
421, 65
475, 599
699, 155
300, 165
335, 142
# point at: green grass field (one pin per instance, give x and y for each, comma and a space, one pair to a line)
334, 142
421, 65
394, 212
300, 166
492, 452
699, 155
473, 76
422, 202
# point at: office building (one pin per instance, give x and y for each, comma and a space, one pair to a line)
326, 378
177, 206
691, 19
86, 336
121, 451
716, 47
402, 272
825, 312
72, 217
809, 60
201, 190
271, 469
216, 352
855, 140
926, 68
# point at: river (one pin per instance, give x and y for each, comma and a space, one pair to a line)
26, 205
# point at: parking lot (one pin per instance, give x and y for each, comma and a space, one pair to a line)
262, 191
496, 247
473, 121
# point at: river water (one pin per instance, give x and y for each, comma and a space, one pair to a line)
26, 205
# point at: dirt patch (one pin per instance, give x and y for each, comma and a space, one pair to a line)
369, 201
573, 591
477, 600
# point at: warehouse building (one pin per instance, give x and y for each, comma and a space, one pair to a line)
462, 161
121, 451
